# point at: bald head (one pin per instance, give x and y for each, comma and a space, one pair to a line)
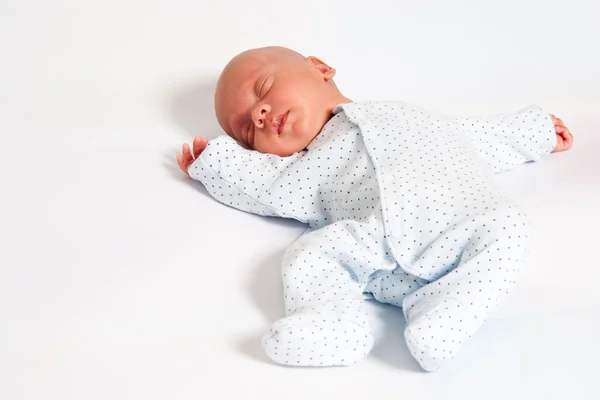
242, 66
271, 54
274, 100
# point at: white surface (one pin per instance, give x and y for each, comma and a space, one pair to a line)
120, 279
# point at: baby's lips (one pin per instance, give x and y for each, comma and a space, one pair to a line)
282, 120
278, 122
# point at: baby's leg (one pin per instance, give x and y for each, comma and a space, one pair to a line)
442, 315
326, 321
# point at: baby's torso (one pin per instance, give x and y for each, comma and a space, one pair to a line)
415, 163
412, 171
335, 179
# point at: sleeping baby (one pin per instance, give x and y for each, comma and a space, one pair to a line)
400, 205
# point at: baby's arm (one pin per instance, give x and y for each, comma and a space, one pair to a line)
233, 175
508, 140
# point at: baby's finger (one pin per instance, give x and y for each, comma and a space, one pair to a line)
199, 146
556, 121
181, 164
185, 151
568, 136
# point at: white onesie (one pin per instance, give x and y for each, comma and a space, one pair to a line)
401, 206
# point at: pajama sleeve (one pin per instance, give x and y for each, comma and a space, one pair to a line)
507, 140
238, 177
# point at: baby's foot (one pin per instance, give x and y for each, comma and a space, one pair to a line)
436, 335
316, 340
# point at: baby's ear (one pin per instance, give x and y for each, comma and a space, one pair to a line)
325, 69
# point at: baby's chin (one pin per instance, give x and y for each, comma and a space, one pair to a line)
303, 142
287, 151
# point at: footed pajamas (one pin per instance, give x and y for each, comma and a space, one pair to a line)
402, 207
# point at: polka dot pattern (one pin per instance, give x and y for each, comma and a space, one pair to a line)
402, 207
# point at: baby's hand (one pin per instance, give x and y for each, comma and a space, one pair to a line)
185, 159
564, 139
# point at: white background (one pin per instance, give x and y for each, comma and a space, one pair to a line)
121, 279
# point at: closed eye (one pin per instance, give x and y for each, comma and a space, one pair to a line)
261, 88
265, 85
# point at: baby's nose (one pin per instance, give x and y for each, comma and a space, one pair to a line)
260, 115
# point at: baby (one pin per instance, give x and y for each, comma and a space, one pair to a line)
400, 203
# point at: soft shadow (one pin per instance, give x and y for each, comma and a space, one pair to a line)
266, 288
252, 348
388, 329
191, 107
289, 222
170, 163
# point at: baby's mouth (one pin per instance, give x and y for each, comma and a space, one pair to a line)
280, 122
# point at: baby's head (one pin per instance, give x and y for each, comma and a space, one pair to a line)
274, 100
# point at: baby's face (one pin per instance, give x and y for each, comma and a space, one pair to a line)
274, 100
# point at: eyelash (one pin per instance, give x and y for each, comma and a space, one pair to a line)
262, 85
